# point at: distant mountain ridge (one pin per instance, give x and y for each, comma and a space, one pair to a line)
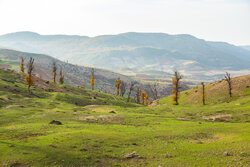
136, 51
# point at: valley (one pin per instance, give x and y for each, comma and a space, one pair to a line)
100, 129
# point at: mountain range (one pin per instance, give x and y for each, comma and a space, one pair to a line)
136, 51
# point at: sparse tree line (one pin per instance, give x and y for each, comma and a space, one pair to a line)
176, 88
140, 95
29, 79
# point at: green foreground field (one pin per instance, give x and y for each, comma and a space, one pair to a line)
190, 134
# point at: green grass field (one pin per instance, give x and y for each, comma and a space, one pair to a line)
9, 63
162, 134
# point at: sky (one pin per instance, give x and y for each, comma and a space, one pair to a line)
213, 20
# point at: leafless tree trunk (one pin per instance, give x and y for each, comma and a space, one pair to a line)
122, 88
132, 84
153, 90
22, 65
176, 86
54, 72
138, 95
203, 93
229, 81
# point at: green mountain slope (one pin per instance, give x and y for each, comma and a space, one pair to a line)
92, 135
75, 75
14, 90
78, 75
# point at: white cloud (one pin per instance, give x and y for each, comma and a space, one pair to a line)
223, 20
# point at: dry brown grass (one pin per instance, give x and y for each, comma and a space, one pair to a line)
218, 91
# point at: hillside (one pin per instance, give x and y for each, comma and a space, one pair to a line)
218, 101
137, 51
80, 75
14, 90
100, 129
75, 75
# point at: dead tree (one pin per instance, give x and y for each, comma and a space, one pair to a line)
122, 88
22, 65
203, 93
138, 95
131, 88
61, 80
29, 77
153, 90
54, 72
176, 87
229, 81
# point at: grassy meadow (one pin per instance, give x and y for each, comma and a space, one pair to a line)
99, 129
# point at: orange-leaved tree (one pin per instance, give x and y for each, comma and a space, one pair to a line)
176, 87
146, 99
143, 95
29, 78
117, 85
22, 65
54, 68
92, 80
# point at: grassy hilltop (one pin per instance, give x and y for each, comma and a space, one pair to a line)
99, 129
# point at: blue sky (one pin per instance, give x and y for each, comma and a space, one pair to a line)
216, 20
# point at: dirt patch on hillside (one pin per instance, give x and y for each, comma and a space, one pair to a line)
47, 86
93, 118
220, 118
183, 119
4, 66
154, 103
111, 119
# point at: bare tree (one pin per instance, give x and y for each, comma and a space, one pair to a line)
131, 88
229, 81
122, 88
22, 65
176, 87
61, 80
203, 93
138, 95
54, 72
153, 90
